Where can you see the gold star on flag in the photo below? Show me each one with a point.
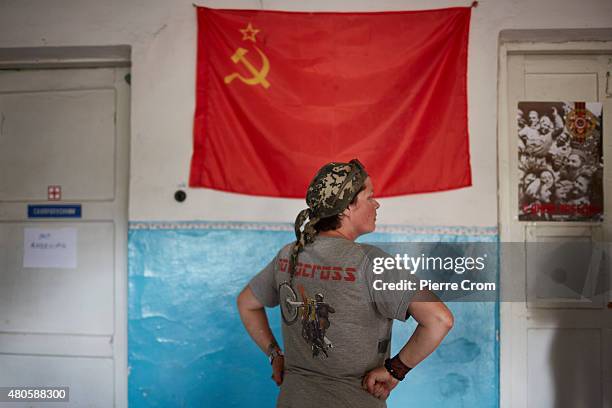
(249, 33)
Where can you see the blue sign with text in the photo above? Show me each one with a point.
(54, 211)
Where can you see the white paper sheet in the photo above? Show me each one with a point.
(50, 248)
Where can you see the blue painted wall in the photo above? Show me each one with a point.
(187, 346)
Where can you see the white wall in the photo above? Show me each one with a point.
(162, 34)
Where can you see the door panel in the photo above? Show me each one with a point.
(62, 135)
(94, 377)
(555, 87)
(54, 300)
(560, 368)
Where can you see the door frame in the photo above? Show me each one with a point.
(528, 42)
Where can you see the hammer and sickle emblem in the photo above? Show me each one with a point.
(259, 77)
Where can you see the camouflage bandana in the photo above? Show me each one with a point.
(330, 192)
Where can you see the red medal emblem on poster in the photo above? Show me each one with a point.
(580, 122)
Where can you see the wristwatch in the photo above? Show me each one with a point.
(275, 352)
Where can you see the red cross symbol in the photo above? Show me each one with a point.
(54, 193)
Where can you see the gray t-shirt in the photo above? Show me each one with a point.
(324, 366)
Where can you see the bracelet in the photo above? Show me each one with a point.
(272, 346)
(275, 353)
(397, 368)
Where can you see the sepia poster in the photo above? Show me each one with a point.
(560, 161)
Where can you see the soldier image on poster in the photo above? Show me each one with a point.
(560, 161)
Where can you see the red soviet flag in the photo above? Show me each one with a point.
(279, 94)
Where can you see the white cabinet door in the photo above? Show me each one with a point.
(556, 340)
(63, 322)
